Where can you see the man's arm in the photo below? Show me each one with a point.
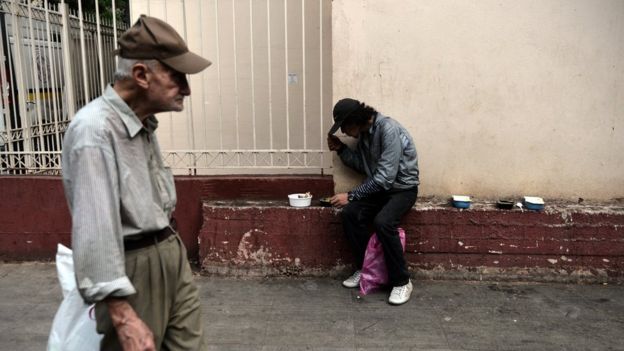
(132, 332)
(97, 242)
(349, 157)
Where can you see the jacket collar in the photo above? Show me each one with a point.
(376, 122)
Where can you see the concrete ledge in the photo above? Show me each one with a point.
(565, 242)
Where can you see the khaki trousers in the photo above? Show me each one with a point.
(167, 300)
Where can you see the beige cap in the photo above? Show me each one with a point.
(151, 38)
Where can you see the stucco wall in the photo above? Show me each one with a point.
(502, 97)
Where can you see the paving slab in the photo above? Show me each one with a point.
(319, 314)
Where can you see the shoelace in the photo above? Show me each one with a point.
(400, 290)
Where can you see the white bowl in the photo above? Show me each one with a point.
(534, 203)
(461, 201)
(534, 200)
(462, 198)
(296, 201)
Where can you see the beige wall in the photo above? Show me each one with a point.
(502, 97)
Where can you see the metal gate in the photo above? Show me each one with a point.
(264, 106)
(52, 62)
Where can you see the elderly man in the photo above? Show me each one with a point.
(386, 154)
(128, 257)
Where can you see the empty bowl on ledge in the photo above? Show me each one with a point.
(461, 201)
(533, 203)
(300, 200)
(505, 204)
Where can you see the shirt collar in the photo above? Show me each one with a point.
(129, 118)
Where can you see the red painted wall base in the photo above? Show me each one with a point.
(271, 238)
(34, 216)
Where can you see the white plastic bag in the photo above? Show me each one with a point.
(65, 269)
(73, 328)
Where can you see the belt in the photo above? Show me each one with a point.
(150, 238)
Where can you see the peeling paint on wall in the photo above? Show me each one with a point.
(438, 237)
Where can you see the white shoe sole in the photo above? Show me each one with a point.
(350, 286)
(395, 303)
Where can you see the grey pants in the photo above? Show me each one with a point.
(167, 300)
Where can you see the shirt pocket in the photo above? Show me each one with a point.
(166, 188)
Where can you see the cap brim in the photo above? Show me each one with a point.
(334, 128)
(188, 63)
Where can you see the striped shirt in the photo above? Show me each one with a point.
(387, 155)
(116, 185)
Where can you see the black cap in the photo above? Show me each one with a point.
(342, 110)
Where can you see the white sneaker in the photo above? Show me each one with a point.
(353, 281)
(401, 294)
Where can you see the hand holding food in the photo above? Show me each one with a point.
(340, 200)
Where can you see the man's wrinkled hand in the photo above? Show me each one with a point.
(339, 200)
(133, 333)
(334, 143)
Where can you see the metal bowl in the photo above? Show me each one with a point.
(505, 204)
(325, 202)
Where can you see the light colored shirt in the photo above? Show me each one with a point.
(116, 185)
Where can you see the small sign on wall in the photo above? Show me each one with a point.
(293, 78)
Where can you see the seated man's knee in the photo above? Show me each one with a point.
(382, 223)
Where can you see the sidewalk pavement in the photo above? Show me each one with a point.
(318, 314)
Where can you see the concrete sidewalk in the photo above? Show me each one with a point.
(318, 314)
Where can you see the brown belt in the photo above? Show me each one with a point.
(150, 238)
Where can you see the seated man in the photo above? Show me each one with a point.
(386, 153)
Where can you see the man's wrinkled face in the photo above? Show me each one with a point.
(167, 88)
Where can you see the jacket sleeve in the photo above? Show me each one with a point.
(365, 189)
(352, 158)
(97, 240)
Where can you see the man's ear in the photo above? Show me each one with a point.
(140, 74)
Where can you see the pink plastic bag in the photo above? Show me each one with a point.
(374, 271)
